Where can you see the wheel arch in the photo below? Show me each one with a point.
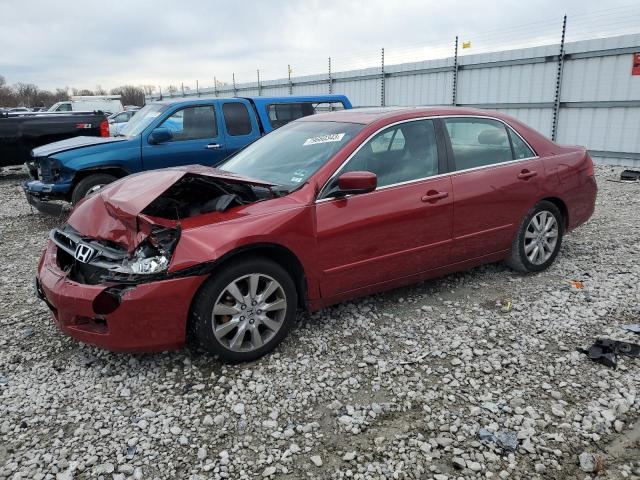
(116, 171)
(558, 202)
(277, 253)
(79, 175)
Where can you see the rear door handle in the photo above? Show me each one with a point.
(526, 174)
(432, 196)
(213, 146)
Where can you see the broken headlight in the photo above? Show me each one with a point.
(152, 256)
(146, 265)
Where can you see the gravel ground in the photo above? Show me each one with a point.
(396, 385)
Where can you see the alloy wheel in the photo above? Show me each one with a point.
(541, 237)
(249, 312)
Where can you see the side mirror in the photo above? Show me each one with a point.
(112, 121)
(352, 183)
(160, 135)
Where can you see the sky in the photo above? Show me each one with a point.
(111, 43)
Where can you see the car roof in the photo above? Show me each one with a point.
(369, 115)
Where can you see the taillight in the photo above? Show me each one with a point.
(104, 128)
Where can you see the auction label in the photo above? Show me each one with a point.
(332, 137)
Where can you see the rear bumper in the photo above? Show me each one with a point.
(583, 202)
(151, 317)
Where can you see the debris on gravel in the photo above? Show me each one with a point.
(474, 375)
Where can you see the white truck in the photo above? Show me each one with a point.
(88, 103)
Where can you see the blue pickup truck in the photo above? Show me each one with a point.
(162, 134)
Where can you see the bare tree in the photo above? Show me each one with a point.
(99, 90)
(130, 95)
(149, 89)
(26, 93)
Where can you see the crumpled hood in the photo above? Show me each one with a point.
(73, 143)
(114, 212)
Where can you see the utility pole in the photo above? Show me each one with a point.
(182, 87)
(330, 79)
(233, 76)
(215, 86)
(289, 76)
(556, 100)
(259, 86)
(454, 89)
(197, 88)
(382, 81)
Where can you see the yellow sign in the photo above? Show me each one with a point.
(466, 44)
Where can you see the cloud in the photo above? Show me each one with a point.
(84, 44)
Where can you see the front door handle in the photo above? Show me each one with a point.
(213, 146)
(526, 174)
(432, 196)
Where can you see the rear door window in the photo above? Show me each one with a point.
(236, 118)
(477, 142)
(520, 149)
(282, 113)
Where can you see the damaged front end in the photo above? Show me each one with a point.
(93, 262)
(118, 273)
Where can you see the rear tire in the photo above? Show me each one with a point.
(244, 310)
(89, 185)
(538, 240)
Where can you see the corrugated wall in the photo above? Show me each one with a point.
(599, 100)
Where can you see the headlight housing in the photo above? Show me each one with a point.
(152, 256)
(145, 265)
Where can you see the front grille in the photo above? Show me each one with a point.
(44, 169)
(106, 259)
(32, 167)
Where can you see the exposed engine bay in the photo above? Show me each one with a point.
(194, 195)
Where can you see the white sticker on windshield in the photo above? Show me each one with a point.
(332, 137)
(298, 175)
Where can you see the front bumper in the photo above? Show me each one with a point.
(151, 317)
(39, 193)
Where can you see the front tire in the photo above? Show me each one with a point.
(538, 240)
(89, 185)
(244, 310)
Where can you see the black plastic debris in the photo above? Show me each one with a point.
(631, 175)
(634, 327)
(505, 439)
(605, 351)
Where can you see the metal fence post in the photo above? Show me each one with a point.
(556, 101)
(330, 79)
(382, 81)
(259, 86)
(454, 89)
(233, 76)
(289, 76)
(215, 86)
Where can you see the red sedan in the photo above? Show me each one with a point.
(324, 209)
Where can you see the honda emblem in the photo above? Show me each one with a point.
(84, 253)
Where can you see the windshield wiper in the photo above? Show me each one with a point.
(279, 190)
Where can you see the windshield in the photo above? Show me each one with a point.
(290, 155)
(142, 119)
